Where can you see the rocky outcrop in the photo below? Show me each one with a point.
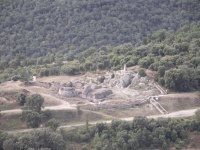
(78, 85)
(67, 92)
(86, 90)
(136, 79)
(68, 84)
(55, 86)
(101, 93)
(121, 79)
(125, 80)
(94, 87)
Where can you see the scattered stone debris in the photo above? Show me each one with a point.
(101, 94)
(114, 83)
(116, 106)
(67, 91)
(87, 89)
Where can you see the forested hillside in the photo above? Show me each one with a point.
(174, 55)
(141, 133)
(38, 27)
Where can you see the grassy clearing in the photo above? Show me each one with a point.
(144, 110)
(67, 117)
(64, 79)
(8, 99)
(176, 102)
(9, 106)
(10, 95)
(11, 122)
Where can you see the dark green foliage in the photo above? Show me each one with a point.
(15, 78)
(10, 143)
(142, 73)
(31, 115)
(31, 118)
(70, 69)
(35, 28)
(182, 79)
(24, 75)
(35, 140)
(35, 102)
(3, 137)
(53, 124)
(145, 62)
(48, 38)
(161, 71)
(141, 133)
(46, 114)
(21, 99)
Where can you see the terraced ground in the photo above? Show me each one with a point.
(60, 106)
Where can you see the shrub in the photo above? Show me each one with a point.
(142, 73)
(21, 99)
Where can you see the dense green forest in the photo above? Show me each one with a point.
(39, 27)
(174, 55)
(52, 37)
(141, 133)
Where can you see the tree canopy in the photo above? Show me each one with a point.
(38, 27)
(35, 102)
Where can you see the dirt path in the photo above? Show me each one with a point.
(59, 104)
(183, 113)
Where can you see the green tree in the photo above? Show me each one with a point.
(42, 140)
(24, 75)
(53, 124)
(21, 99)
(142, 73)
(31, 118)
(161, 71)
(35, 102)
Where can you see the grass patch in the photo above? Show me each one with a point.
(10, 95)
(67, 117)
(174, 103)
(144, 110)
(9, 106)
(8, 99)
(11, 122)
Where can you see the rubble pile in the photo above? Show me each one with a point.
(97, 91)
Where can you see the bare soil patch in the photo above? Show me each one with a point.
(51, 99)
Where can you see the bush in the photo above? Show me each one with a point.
(145, 62)
(53, 124)
(15, 78)
(142, 73)
(31, 118)
(21, 99)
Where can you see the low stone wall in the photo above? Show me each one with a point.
(67, 92)
(115, 106)
(102, 93)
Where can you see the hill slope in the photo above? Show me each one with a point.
(174, 55)
(37, 27)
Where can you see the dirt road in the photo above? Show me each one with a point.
(183, 113)
(50, 99)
